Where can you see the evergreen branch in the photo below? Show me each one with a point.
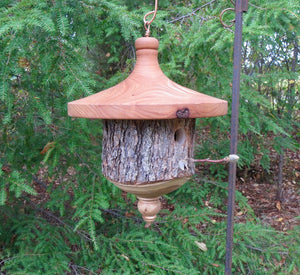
(292, 13)
(49, 214)
(16, 257)
(24, 255)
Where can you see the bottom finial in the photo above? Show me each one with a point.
(149, 207)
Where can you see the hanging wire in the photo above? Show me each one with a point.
(147, 23)
(230, 158)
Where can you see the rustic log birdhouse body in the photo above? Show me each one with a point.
(148, 129)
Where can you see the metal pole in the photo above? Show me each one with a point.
(240, 7)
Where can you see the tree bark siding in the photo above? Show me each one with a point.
(147, 151)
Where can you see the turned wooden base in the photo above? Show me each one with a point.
(149, 196)
(153, 190)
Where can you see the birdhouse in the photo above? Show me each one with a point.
(148, 129)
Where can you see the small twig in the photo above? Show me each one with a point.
(215, 183)
(77, 267)
(255, 248)
(263, 250)
(41, 183)
(169, 221)
(85, 5)
(8, 59)
(163, 268)
(191, 13)
(91, 170)
(250, 4)
(19, 256)
(7, 259)
(113, 212)
(74, 268)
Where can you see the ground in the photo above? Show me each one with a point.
(260, 190)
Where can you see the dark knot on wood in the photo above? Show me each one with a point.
(183, 113)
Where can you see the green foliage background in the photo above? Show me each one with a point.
(58, 214)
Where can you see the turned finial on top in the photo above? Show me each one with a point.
(146, 43)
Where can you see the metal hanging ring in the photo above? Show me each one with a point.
(147, 23)
(231, 21)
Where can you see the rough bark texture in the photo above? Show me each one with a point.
(147, 151)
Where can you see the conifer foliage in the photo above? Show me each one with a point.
(58, 214)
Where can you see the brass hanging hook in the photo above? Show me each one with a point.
(222, 14)
(242, 7)
(148, 23)
(231, 21)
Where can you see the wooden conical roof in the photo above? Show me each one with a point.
(147, 94)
